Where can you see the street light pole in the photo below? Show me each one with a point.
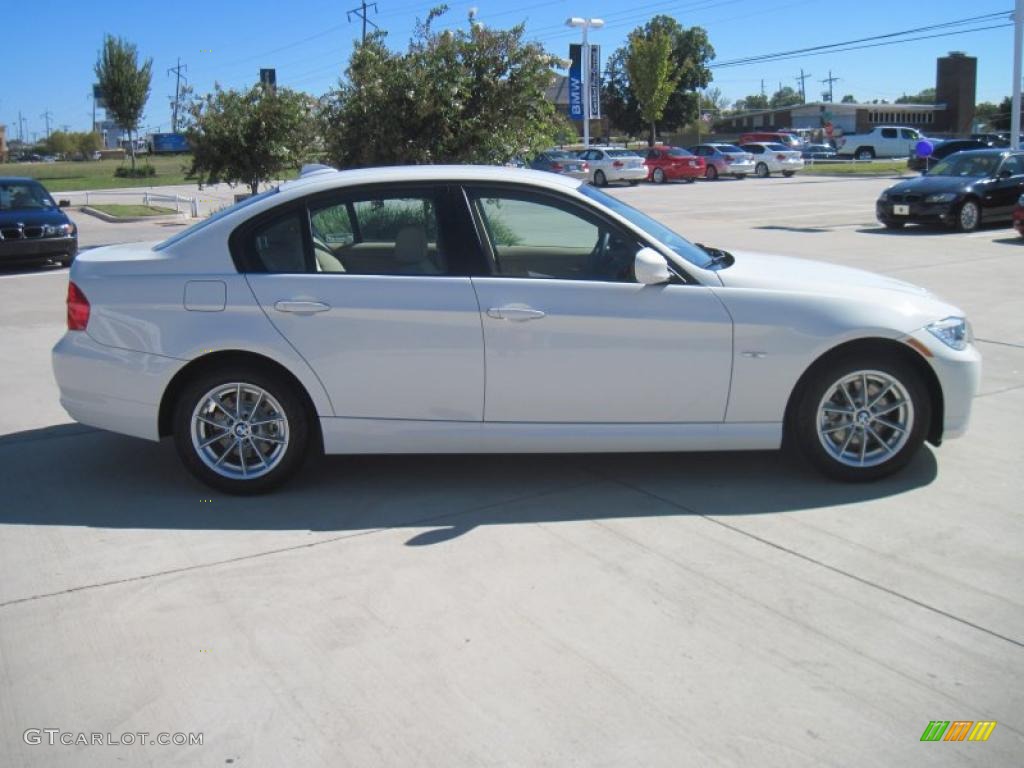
(1018, 44)
(586, 24)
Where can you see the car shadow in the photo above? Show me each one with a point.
(71, 475)
(935, 229)
(1017, 240)
(13, 268)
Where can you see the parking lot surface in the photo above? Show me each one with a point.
(609, 610)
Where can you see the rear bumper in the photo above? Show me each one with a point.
(737, 169)
(38, 248)
(685, 171)
(625, 174)
(110, 388)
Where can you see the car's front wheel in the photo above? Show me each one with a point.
(968, 218)
(241, 430)
(862, 417)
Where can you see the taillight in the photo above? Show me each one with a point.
(556, 166)
(78, 308)
(728, 159)
(780, 158)
(586, 166)
(617, 164)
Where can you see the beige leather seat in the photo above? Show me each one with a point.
(412, 252)
(326, 261)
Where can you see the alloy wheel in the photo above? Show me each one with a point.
(865, 418)
(239, 430)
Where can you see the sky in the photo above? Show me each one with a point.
(50, 69)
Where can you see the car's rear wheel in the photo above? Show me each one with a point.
(659, 176)
(711, 173)
(968, 218)
(241, 430)
(762, 171)
(862, 417)
(600, 180)
(865, 153)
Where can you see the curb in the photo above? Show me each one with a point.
(129, 219)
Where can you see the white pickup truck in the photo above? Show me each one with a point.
(881, 141)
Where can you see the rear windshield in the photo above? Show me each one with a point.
(679, 152)
(777, 148)
(561, 155)
(214, 217)
(727, 148)
(621, 153)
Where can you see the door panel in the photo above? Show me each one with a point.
(604, 352)
(392, 347)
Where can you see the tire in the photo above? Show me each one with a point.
(894, 224)
(864, 153)
(600, 180)
(281, 441)
(762, 171)
(711, 173)
(658, 177)
(897, 415)
(788, 174)
(968, 216)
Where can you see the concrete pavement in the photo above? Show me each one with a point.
(654, 610)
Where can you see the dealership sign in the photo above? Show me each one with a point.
(576, 65)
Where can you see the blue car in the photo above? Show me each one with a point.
(32, 225)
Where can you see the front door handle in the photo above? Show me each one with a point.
(301, 307)
(516, 314)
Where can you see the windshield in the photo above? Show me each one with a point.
(212, 218)
(655, 229)
(24, 196)
(970, 166)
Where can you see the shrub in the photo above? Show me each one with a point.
(124, 172)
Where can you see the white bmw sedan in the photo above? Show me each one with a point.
(442, 309)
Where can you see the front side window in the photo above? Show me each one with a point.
(544, 238)
(378, 236)
(1014, 164)
(906, 133)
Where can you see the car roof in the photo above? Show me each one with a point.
(990, 151)
(18, 180)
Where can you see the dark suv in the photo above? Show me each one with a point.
(32, 225)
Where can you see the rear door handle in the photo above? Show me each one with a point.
(516, 314)
(301, 307)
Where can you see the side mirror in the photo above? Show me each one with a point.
(1005, 173)
(650, 267)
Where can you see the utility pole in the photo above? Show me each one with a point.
(762, 86)
(803, 90)
(177, 91)
(830, 80)
(21, 128)
(46, 116)
(1018, 44)
(361, 13)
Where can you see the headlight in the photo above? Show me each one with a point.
(58, 230)
(954, 332)
(884, 195)
(941, 197)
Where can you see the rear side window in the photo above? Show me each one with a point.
(278, 244)
(889, 133)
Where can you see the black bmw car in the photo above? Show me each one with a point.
(962, 191)
(32, 225)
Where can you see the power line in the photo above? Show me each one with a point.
(806, 51)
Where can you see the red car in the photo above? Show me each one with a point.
(671, 163)
(1018, 216)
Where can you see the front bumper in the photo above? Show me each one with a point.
(111, 388)
(959, 375)
(920, 213)
(38, 248)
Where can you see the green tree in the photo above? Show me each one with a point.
(927, 96)
(88, 142)
(848, 99)
(691, 54)
(245, 137)
(752, 102)
(986, 111)
(124, 84)
(652, 76)
(784, 97)
(471, 95)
